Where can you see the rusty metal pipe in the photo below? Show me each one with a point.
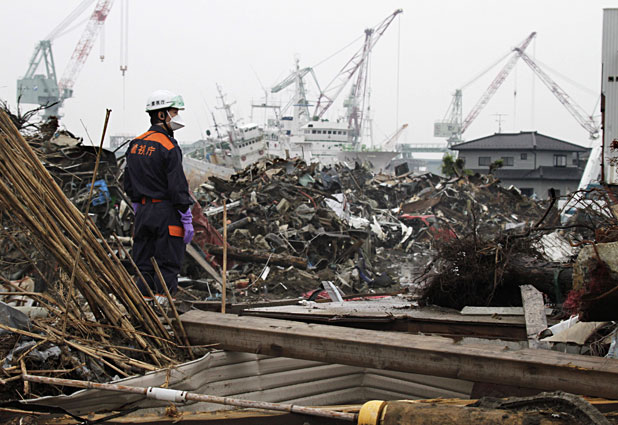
(179, 396)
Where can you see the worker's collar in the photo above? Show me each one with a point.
(161, 129)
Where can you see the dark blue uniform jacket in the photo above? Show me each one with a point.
(154, 169)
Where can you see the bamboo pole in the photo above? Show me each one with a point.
(37, 203)
(24, 372)
(224, 274)
(181, 396)
(83, 226)
(148, 289)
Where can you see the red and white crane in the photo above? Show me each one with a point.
(356, 66)
(453, 126)
(45, 90)
(392, 140)
(83, 47)
(495, 84)
(586, 121)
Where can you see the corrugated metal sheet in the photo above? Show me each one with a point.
(262, 378)
(609, 87)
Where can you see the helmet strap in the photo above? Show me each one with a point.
(165, 124)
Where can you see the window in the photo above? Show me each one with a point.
(524, 156)
(507, 161)
(559, 160)
(485, 160)
(556, 191)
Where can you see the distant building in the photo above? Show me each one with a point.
(533, 162)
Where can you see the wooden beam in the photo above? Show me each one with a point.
(252, 256)
(429, 355)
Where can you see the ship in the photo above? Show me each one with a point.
(233, 149)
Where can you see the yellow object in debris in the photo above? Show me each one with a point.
(371, 412)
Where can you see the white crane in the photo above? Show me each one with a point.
(299, 101)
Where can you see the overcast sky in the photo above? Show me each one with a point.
(189, 46)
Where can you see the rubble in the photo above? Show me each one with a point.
(293, 229)
(457, 242)
(352, 226)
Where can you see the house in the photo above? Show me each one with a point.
(533, 162)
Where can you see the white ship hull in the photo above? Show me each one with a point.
(378, 160)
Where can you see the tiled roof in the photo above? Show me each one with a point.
(525, 140)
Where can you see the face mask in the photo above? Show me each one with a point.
(176, 122)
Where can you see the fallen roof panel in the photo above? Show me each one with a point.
(529, 368)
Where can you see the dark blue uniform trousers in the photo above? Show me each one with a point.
(158, 233)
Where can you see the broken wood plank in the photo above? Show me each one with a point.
(534, 312)
(199, 259)
(498, 311)
(236, 308)
(249, 255)
(398, 314)
(546, 370)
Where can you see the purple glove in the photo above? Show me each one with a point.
(186, 219)
(135, 206)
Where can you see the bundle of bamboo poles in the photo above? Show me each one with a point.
(31, 197)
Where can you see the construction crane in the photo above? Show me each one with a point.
(586, 121)
(299, 101)
(356, 66)
(454, 127)
(390, 142)
(45, 90)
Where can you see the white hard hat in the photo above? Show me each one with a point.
(163, 99)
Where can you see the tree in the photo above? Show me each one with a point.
(498, 163)
(452, 167)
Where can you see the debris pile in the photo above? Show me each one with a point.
(71, 163)
(359, 230)
(472, 271)
(281, 230)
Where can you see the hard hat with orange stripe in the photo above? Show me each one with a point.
(164, 99)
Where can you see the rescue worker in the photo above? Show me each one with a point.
(156, 184)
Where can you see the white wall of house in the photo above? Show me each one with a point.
(543, 158)
(541, 187)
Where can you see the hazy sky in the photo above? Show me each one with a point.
(189, 46)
